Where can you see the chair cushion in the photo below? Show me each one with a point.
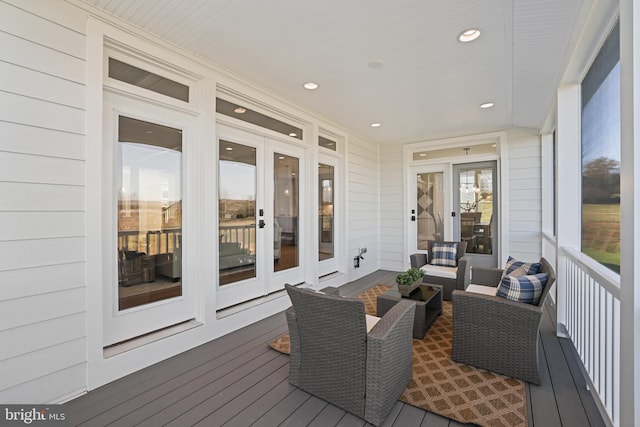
(513, 267)
(440, 271)
(371, 322)
(444, 254)
(526, 289)
(482, 289)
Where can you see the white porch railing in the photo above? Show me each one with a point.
(591, 319)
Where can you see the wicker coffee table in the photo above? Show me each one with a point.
(428, 299)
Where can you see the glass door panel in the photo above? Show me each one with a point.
(286, 201)
(149, 179)
(325, 214)
(236, 212)
(430, 205)
(476, 203)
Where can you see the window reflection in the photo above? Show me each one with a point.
(285, 207)
(237, 212)
(476, 209)
(430, 208)
(325, 220)
(149, 212)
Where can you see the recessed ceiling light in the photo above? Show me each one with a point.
(292, 134)
(240, 110)
(486, 105)
(375, 125)
(229, 148)
(423, 154)
(310, 85)
(469, 35)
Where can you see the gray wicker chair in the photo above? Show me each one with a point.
(497, 334)
(448, 285)
(334, 358)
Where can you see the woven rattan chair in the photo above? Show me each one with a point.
(497, 334)
(448, 284)
(334, 358)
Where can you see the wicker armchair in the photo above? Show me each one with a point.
(422, 260)
(497, 334)
(334, 358)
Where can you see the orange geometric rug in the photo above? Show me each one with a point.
(453, 390)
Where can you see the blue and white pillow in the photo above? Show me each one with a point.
(444, 254)
(514, 267)
(527, 289)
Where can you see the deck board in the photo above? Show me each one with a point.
(237, 380)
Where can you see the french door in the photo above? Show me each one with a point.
(475, 202)
(428, 206)
(147, 216)
(261, 219)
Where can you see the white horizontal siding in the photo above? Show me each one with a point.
(525, 198)
(392, 229)
(16, 167)
(27, 139)
(30, 55)
(35, 112)
(54, 387)
(42, 178)
(41, 280)
(41, 197)
(43, 30)
(362, 204)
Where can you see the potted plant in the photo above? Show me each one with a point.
(409, 281)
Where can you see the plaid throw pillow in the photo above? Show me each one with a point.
(520, 268)
(526, 289)
(444, 254)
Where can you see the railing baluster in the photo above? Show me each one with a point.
(592, 309)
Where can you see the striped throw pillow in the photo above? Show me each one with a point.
(444, 254)
(520, 268)
(527, 289)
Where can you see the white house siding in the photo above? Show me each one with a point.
(525, 198)
(362, 205)
(42, 243)
(392, 229)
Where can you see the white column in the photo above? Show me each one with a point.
(630, 223)
(568, 186)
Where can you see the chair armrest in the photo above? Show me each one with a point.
(330, 290)
(418, 260)
(485, 276)
(389, 360)
(464, 272)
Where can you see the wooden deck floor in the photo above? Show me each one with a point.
(237, 380)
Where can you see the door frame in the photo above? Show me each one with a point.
(266, 280)
(120, 325)
(445, 148)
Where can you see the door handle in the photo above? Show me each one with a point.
(261, 223)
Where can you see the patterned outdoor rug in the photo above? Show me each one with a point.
(440, 385)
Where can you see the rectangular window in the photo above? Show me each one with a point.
(327, 143)
(325, 203)
(138, 77)
(149, 212)
(601, 155)
(247, 115)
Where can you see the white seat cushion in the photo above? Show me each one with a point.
(371, 322)
(440, 271)
(481, 289)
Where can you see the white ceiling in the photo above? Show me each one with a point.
(430, 85)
